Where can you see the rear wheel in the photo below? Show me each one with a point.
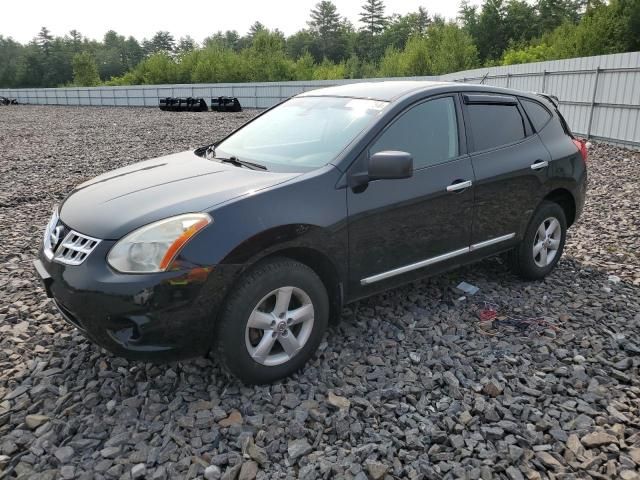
(273, 322)
(543, 243)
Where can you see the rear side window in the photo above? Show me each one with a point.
(495, 125)
(428, 131)
(538, 115)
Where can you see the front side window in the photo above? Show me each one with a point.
(428, 131)
(495, 125)
(302, 134)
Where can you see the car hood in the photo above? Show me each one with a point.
(115, 203)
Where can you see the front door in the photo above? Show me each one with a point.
(402, 226)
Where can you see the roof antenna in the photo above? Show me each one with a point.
(484, 78)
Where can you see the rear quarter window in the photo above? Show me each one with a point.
(537, 113)
(495, 125)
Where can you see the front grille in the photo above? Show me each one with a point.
(75, 248)
(64, 245)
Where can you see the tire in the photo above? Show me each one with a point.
(258, 355)
(528, 264)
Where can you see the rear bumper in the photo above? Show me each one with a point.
(155, 317)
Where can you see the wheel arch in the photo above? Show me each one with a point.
(567, 202)
(323, 266)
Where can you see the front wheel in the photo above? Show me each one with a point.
(273, 322)
(543, 243)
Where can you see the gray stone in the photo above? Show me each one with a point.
(64, 454)
(138, 471)
(298, 448)
(212, 472)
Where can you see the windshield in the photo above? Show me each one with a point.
(302, 134)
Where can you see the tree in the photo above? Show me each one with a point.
(75, 39)
(373, 18)
(301, 43)
(325, 19)
(328, 33)
(491, 35)
(186, 44)
(553, 13)
(44, 39)
(256, 28)
(419, 21)
(85, 70)
(401, 27)
(10, 53)
(133, 52)
(162, 42)
(445, 48)
(31, 67)
(520, 22)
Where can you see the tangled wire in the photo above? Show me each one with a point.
(491, 320)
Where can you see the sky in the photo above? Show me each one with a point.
(198, 18)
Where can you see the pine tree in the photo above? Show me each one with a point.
(324, 18)
(76, 39)
(44, 39)
(372, 15)
(327, 29)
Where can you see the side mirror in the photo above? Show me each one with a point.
(389, 165)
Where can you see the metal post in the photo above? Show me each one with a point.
(544, 81)
(508, 80)
(255, 94)
(593, 102)
(280, 92)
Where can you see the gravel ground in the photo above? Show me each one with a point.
(411, 384)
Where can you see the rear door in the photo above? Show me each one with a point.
(510, 164)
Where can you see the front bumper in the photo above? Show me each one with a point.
(156, 317)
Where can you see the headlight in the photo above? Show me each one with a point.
(153, 248)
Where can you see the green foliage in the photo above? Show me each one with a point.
(532, 53)
(498, 32)
(85, 70)
(602, 30)
(329, 71)
(445, 48)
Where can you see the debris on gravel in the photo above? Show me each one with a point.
(410, 384)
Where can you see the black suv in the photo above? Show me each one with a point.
(245, 248)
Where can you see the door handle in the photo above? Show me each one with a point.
(538, 164)
(454, 187)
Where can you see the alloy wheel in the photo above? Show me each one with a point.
(546, 243)
(279, 326)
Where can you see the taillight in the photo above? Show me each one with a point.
(582, 147)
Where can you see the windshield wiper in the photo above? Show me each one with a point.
(241, 163)
(209, 152)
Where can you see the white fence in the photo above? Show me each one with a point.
(599, 96)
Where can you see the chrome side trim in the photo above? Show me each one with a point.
(432, 260)
(413, 266)
(491, 241)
